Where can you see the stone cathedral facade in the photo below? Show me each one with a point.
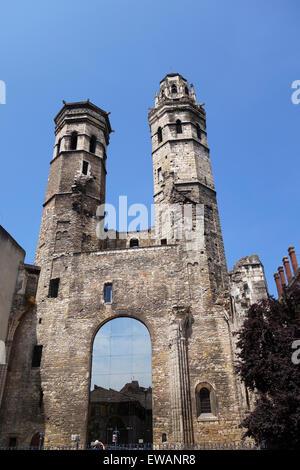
(180, 289)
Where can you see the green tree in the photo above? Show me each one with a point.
(266, 367)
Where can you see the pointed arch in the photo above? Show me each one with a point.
(178, 126)
(159, 135)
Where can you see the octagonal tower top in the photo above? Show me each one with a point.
(175, 88)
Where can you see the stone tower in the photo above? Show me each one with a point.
(182, 169)
(76, 186)
(76, 183)
(177, 289)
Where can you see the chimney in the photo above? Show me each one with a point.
(278, 284)
(287, 269)
(292, 254)
(282, 276)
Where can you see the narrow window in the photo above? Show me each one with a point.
(186, 90)
(37, 355)
(53, 287)
(205, 406)
(198, 131)
(107, 293)
(134, 243)
(178, 127)
(163, 241)
(74, 136)
(41, 398)
(93, 144)
(85, 167)
(159, 174)
(174, 89)
(159, 135)
(247, 398)
(163, 437)
(12, 442)
(58, 146)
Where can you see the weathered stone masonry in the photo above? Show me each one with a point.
(179, 290)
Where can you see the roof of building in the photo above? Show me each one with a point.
(173, 75)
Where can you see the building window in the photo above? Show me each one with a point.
(159, 135)
(53, 287)
(74, 136)
(107, 293)
(58, 146)
(205, 406)
(121, 358)
(37, 355)
(159, 174)
(198, 131)
(163, 241)
(37, 441)
(163, 437)
(174, 89)
(178, 127)
(186, 90)
(93, 144)
(41, 398)
(12, 442)
(206, 401)
(134, 243)
(85, 167)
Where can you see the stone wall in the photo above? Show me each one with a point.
(11, 256)
(151, 285)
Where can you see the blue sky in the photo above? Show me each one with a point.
(242, 57)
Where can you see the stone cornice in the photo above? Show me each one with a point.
(180, 140)
(170, 106)
(69, 152)
(69, 194)
(83, 105)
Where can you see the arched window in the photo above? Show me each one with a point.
(159, 135)
(206, 401)
(178, 127)
(174, 89)
(205, 406)
(74, 136)
(37, 441)
(121, 383)
(134, 243)
(93, 144)
(198, 131)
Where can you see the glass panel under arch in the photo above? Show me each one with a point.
(121, 383)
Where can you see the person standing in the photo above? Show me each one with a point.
(98, 445)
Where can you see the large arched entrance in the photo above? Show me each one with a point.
(121, 383)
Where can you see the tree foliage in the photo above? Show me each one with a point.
(266, 367)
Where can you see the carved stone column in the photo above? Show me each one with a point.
(181, 410)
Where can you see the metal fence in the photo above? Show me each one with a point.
(163, 446)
